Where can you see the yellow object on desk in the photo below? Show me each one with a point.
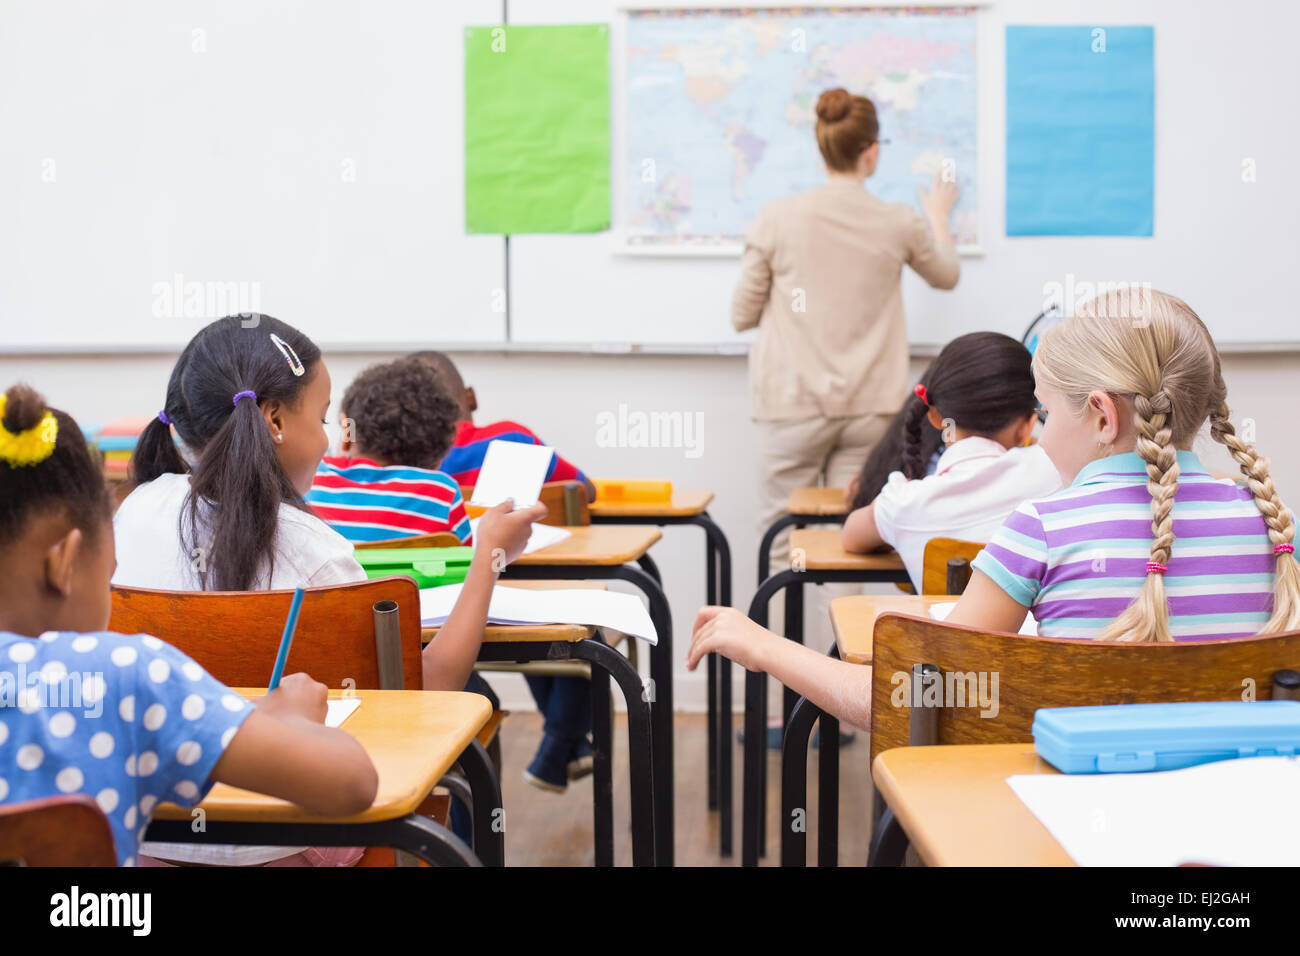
(639, 491)
(678, 505)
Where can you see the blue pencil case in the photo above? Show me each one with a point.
(1125, 738)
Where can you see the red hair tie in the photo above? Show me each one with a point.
(1155, 567)
(919, 392)
(1284, 549)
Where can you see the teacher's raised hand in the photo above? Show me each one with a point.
(938, 203)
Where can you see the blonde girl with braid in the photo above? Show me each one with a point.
(1142, 544)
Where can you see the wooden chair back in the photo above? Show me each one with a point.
(1034, 672)
(566, 503)
(235, 635)
(66, 830)
(935, 568)
(443, 539)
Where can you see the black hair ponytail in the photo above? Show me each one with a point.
(46, 468)
(981, 382)
(237, 484)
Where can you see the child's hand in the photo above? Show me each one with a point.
(726, 631)
(299, 696)
(502, 532)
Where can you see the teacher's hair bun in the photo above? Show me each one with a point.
(833, 105)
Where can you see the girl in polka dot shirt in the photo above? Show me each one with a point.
(126, 719)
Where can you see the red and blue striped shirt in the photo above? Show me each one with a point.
(470, 445)
(364, 501)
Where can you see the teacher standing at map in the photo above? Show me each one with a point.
(821, 281)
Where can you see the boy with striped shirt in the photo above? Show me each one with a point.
(397, 425)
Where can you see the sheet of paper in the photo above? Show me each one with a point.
(542, 535)
(1228, 813)
(940, 612)
(340, 709)
(512, 469)
(610, 609)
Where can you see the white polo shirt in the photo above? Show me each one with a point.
(976, 484)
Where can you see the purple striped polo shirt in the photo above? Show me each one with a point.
(1078, 558)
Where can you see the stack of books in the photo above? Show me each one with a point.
(116, 441)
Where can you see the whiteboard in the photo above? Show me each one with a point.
(226, 166)
(166, 163)
(1223, 94)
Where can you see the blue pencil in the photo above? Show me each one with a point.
(285, 642)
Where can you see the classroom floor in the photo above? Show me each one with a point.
(545, 829)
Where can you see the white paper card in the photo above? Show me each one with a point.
(611, 609)
(940, 612)
(1228, 813)
(340, 709)
(511, 469)
(541, 536)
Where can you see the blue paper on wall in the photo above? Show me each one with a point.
(1080, 131)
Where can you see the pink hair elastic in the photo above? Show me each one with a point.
(1155, 567)
(1284, 549)
(920, 393)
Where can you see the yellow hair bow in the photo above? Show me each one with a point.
(30, 447)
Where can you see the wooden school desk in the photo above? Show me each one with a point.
(853, 621)
(956, 808)
(607, 552)
(690, 507)
(414, 737)
(807, 506)
(521, 643)
(816, 557)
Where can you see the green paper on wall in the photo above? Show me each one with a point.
(537, 129)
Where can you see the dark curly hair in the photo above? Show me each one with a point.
(401, 414)
(70, 479)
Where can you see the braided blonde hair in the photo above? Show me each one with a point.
(1150, 346)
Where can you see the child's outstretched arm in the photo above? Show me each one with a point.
(500, 538)
(284, 749)
(841, 689)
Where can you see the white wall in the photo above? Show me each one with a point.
(560, 395)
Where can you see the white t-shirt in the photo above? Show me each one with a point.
(150, 554)
(976, 485)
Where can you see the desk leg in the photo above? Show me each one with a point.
(661, 709)
(640, 743)
(769, 538)
(794, 782)
(489, 827)
(888, 843)
(721, 551)
(828, 792)
(602, 794)
(755, 754)
(648, 565)
(711, 707)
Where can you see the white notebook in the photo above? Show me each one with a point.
(511, 469)
(1228, 813)
(340, 709)
(619, 612)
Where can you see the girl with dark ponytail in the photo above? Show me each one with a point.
(247, 399)
(977, 399)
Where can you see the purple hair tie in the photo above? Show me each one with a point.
(250, 393)
(162, 417)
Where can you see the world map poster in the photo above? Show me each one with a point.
(720, 111)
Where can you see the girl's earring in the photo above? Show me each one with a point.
(280, 437)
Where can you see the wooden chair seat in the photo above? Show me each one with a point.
(56, 831)
(566, 503)
(934, 562)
